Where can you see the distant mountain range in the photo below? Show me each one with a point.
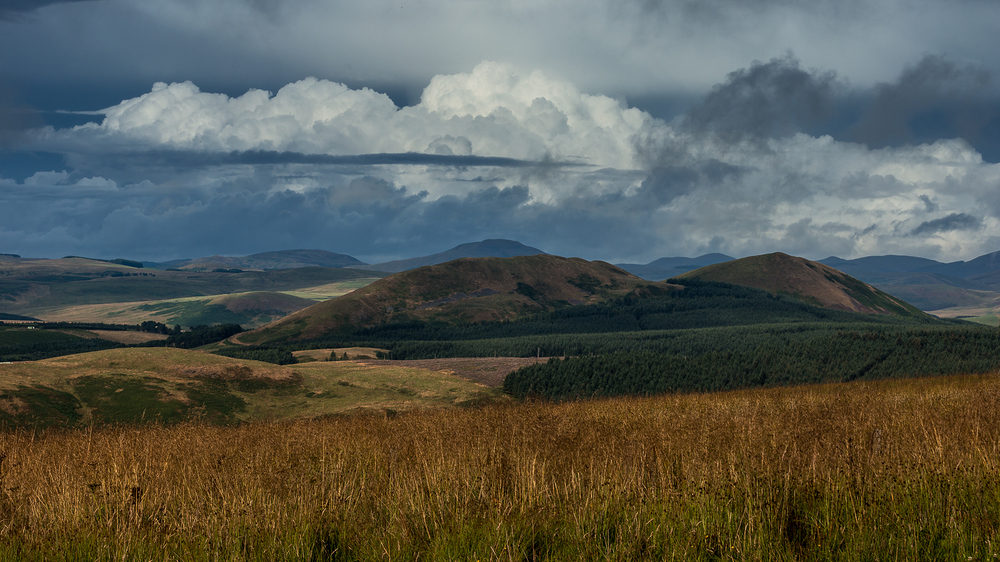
(291, 259)
(888, 265)
(665, 268)
(485, 249)
(284, 259)
(960, 288)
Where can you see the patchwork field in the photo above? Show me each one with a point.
(249, 309)
(84, 290)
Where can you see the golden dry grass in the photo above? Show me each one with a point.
(325, 354)
(489, 371)
(899, 470)
(127, 337)
(277, 392)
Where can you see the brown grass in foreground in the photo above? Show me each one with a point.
(891, 470)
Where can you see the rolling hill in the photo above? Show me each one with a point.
(484, 249)
(166, 385)
(461, 291)
(284, 259)
(809, 281)
(30, 285)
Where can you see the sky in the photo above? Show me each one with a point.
(619, 130)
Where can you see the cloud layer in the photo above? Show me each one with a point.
(498, 153)
(621, 47)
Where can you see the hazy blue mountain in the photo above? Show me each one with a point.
(981, 266)
(283, 259)
(665, 268)
(495, 248)
(890, 264)
(931, 285)
(908, 270)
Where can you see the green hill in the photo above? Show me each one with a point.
(809, 281)
(168, 385)
(462, 291)
(246, 309)
(284, 259)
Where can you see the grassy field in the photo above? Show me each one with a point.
(169, 385)
(191, 311)
(896, 470)
(54, 288)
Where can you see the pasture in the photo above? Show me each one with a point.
(169, 386)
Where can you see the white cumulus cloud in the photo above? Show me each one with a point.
(492, 111)
(587, 176)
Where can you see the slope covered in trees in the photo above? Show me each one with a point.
(841, 355)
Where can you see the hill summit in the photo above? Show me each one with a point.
(466, 290)
(493, 248)
(806, 280)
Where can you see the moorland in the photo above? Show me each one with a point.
(887, 470)
(506, 408)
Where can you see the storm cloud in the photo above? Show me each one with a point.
(637, 188)
(385, 131)
(952, 222)
(10, 9)
(934, 98)
(767, 100)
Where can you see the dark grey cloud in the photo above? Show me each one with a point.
(264, 157)
(716, 11)
(766, 100)
(12, 9)
(15, 118)
(492, 166)
(935, 98)
(667, 183)
(954, 221)
(929, 205)
(371, 218)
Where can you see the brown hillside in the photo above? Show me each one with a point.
(810, 281)
(463, 290)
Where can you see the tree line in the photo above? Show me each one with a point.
(842, 356)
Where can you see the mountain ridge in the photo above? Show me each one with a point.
(263, 261)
